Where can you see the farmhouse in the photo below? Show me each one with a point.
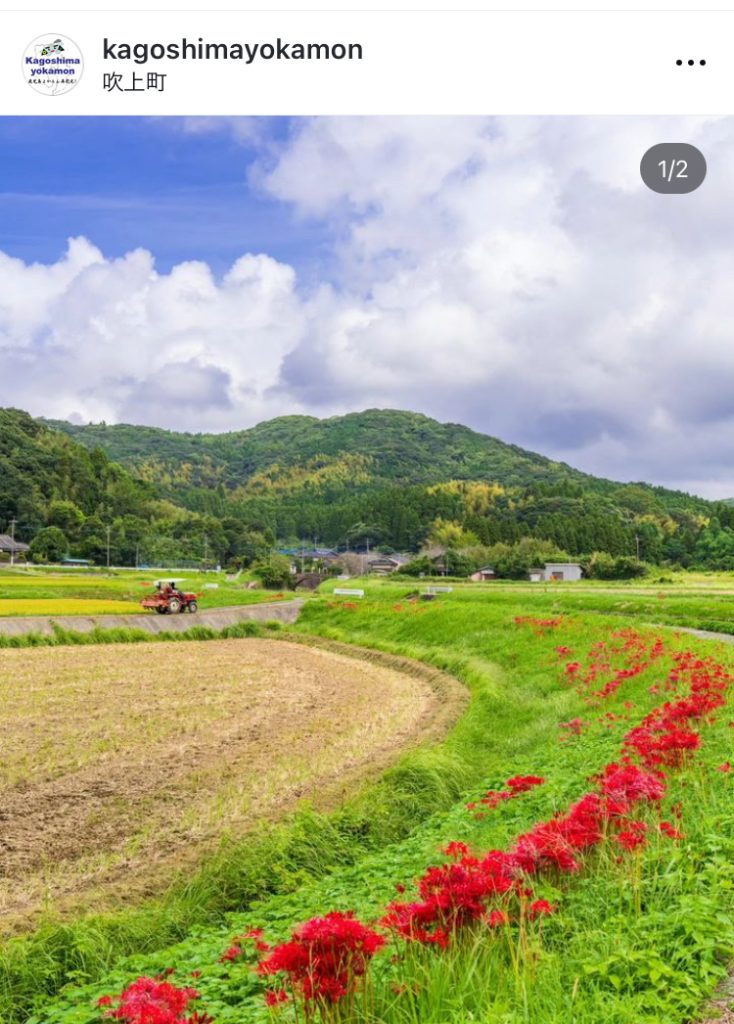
(313, 556)
(437, 554)
(10, 546)
(484, 574)
(555, 572)
(383, 565)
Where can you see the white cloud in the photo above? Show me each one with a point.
(117, 340)
(511, 273)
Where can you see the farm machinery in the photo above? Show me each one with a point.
(169, 599)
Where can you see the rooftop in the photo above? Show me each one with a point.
(15, 547)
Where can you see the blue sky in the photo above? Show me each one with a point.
(130, 182)
(512, 274)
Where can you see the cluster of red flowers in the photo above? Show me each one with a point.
(625, 785)
(323, 960)
(632, 836)
(517, 785)
(556, 843)
(326, 959)
(574, 727)
(153, 1001)
(665, 737)
(627, 644)
(669, 830)
(455, 895)
(539, 626)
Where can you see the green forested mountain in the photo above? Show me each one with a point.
(397, 480)
(400, 479)
(401, 446)
(67, 498)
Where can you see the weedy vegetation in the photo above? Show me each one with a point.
(565, 853)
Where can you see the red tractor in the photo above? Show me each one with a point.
(169, 599)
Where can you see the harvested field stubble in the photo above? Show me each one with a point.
(128, 762)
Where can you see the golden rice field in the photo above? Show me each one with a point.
(16, 606)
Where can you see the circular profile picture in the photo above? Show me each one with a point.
(52, 64)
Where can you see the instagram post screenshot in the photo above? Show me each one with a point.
(366, 515)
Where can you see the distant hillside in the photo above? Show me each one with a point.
(397, 447)
(40, 466)
(400, 479)
(69, 498)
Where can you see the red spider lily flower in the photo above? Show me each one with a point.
(154, 1001)
(659, 743)
(634, 836)
(574, 726)
(452, 896)
(399, 887)
(556, 843)
(539, 626)
(540, 908)
(325, 957)
(493, 798)
(254, 935)
(231, 954)
(196, 974)
(440, 938)
(670, 830)
(455, 850)
(275, 997)
(628, 784)
(497, 918)
(522, 783)
(725, 767)
(106, 1000)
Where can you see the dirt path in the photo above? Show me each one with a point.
(120, 765)
(705, 634)
(216, 618)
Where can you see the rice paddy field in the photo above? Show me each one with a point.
(117, 769)
(32, 591)
(560, 849)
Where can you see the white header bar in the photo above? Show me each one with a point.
(401, 63)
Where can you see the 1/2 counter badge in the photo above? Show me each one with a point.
(52, 64)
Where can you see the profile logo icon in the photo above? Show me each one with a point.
(52, 64)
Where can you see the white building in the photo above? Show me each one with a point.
(561, 571)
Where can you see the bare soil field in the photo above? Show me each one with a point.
(120, 764)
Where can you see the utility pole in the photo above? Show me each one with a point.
(637, 545)
(13, 523)
(109, 534)
(206, 551)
